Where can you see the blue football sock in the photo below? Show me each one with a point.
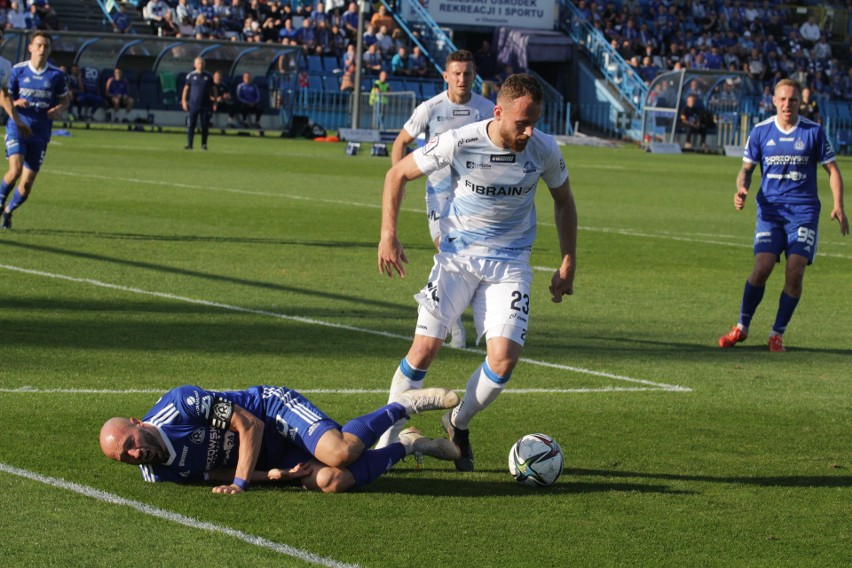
(786, 307)
(4, 192)
(17, 200)
(752, 295)
(369, 427)
(374, 463)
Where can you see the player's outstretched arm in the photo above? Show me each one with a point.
(835, 181)
(391, 253)
(565, 210)
(250, 430)
(743, 184)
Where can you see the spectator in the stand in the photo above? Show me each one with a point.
(714, 58)
(338, 40)
(287, 34)
(810, 32)
(248, 100)
(154, 13)
(383, 18)
(372, 60)
(399, 40)
(320, 15)
(693, 89)
(33, 19)
(369, 35)
(118, 94)
(399, 63)
(223, 101)
(417, 63)
(168, 26)
(767, 107)
(251, 30)
(756, 67)
(349, 20)
(323, 35)
(121, 21)
(306, 37)
(648, 70)
(202, 28)
(384, 42)
(822, 50)
(185, 13)
(16, 18)
(349, 57)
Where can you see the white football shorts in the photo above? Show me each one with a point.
(497, 291)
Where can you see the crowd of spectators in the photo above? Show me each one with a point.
(314, 26)
(766, 39)
(28, 15)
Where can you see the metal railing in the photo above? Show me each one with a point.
(608, 61)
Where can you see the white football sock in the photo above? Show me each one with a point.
(479, 393)
(399, 385)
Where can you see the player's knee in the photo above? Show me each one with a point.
(333, 480)
(344, 452)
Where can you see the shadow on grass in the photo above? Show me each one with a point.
(815, 481)
(275, 287)
(645, 347)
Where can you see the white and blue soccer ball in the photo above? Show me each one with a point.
(536, 460)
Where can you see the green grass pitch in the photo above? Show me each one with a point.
(137, 266)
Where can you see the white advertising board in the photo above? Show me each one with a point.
(532, 14)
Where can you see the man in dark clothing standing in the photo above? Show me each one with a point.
(197, 99)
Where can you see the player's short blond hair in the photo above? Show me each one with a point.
(520, 85)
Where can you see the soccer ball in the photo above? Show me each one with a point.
(536, 460)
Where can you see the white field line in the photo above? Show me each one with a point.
(34, 390)
(310, 321)
(700, 238)
(174, 517)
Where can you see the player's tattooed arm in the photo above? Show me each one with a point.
(743, 184)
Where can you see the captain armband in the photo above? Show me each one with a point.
(220, 413)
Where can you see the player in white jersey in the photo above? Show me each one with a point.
(455, 107)
(486, 237)
(788, 149)
(6, 101)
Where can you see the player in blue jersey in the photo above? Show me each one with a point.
(197, 99)
(788, 149)
(487, 234)
(40, 94)
(266, 433)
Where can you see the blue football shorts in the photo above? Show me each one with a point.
(32, 150)
(291, 416)
(791, 229)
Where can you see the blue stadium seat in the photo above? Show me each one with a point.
(330, 63)
(313, 64)
(315, 82)
(397, 85)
